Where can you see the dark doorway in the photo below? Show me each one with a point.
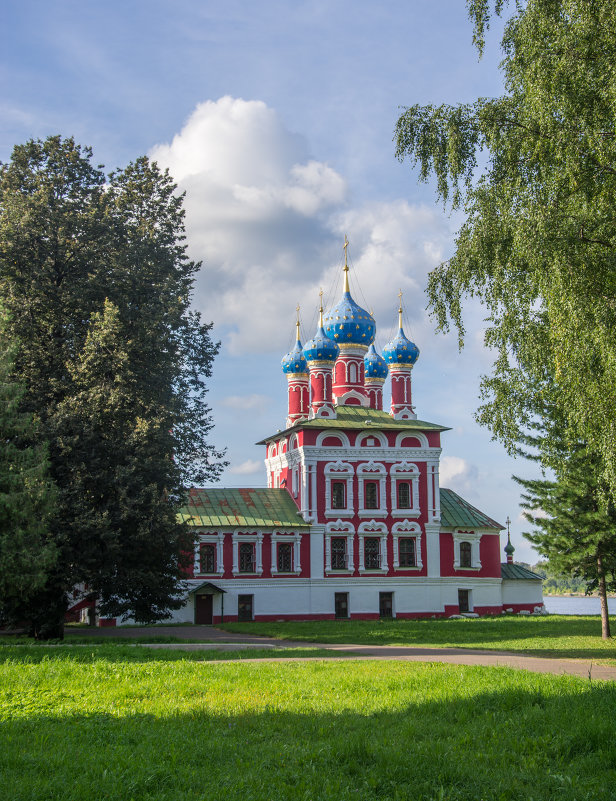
(386, 604)
(464, 602)
(244, 607)
(203, 609)
(341, 604)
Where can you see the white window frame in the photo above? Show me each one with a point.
(408, 529)
(474, 537)
(373, 529)
(372, 471)
(339, 528)
(405, 471)
(294, 539)
(216, 539)
(339, 471)
(255, 537)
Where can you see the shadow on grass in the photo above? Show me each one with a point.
(542, 739)
(552, 635)
(35, 654)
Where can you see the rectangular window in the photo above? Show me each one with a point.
(404, 495)
(371, 495)
(386, 604)
(341, 604)
(407, 556)
(372, 553)
(465, 555)
(247, 557)
(285, 557)
(244, 607)
(208, 558)
(338, 495)
(339, 553)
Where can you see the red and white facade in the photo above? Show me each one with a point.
(371, 532)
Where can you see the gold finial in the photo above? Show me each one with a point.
(346, 265)
(320, 308)
(297, 323)
(400, 310)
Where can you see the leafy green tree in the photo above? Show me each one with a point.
(114, 363)
(26, 493)
(575, 528)
(535, 173)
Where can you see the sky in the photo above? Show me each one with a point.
(277, 119)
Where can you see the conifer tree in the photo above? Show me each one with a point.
(574, 522)
(114, 364)
(26, 494)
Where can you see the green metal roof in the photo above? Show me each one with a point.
(360, 417)
(511, 571)
(254, 508)
(456, 512)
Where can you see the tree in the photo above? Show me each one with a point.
(535, 173)
(114, 364)
(574, 527)
(26, 493)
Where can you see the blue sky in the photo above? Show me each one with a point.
(277, 120)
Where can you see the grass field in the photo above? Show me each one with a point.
(118, 724)
(564, 636)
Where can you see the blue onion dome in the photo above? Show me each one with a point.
(295, 361)
(321, 348)
(375, 365)
(347, 322)
(401, 350)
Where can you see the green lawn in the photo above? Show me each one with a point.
(565, 636)
(94, 724)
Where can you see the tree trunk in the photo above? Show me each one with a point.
(605, 618)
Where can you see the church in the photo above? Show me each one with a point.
(353, 522)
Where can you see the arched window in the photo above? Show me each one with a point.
(465, 554)
(352, 373)
(404, 495)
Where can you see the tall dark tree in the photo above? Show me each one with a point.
(95, 273)
(26, 493)
(538, 246)
(575, 525)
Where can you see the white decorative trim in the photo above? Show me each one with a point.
(290, 537)
(341, 400)
(339, 529)
(474, 537)
(344, 440)
(401, 471)
(373, 528)
(378, 435)
(340, 471)
(418, 435)
(213, 539)
(240, 537)
(407, 528)
(377, 471)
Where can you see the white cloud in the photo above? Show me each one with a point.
(268, 221)
(458, 474)
(247, 468)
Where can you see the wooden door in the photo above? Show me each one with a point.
(203, 609)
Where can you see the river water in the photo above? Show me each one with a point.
(585, 605)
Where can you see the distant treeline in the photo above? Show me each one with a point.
(557, 583)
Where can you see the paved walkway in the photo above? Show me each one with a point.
(229, 641)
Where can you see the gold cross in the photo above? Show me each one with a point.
(345, 246)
